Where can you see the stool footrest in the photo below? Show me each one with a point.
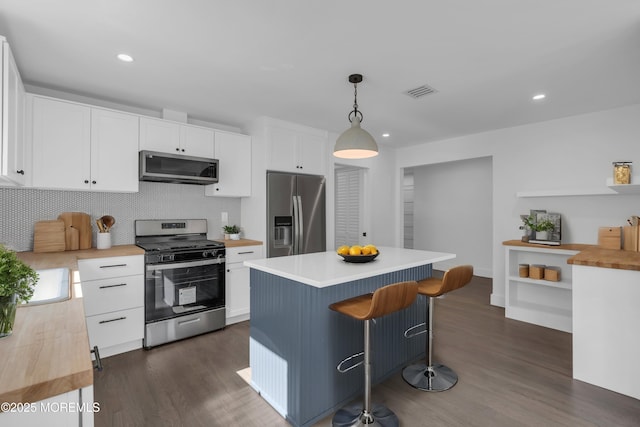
(407, 333)
(345, 360)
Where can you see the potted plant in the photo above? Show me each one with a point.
(541, 228)
(17, 281)
(231, 232)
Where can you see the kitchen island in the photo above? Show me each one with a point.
(296, 341)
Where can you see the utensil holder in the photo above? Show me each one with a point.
(103, 241)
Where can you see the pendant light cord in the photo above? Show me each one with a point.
(355, 111)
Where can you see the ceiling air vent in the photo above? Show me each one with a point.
(421, 91)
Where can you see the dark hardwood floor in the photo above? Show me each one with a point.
(511, 374)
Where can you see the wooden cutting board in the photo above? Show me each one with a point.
(78, 233)
(48, 236)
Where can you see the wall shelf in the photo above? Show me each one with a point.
(609, 189)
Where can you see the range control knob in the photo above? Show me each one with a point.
(205, 254)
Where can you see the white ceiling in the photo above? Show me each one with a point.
(231, 61)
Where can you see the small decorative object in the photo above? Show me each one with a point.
(103, 240)
(17, 282)
(621, 173)
(231, 232)
(536, 271)
(552, 274)
(523, 270)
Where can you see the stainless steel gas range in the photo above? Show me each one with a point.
(184, 279)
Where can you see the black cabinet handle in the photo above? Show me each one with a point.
(112, 286)
(113, 265)
(177, 149)
(112, 320)
(93, 182)
(86, 181)
(21, 172)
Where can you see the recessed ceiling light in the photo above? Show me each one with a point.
(125, 58)
(539, 96)
(385, 135)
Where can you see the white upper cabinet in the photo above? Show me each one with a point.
(298, 151)
(233, 152)
(114, 151)
(171, 137)
(77, 147)
(13, 169)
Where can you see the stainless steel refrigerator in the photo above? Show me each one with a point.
(296, 222)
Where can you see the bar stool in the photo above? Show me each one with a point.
(382, 302)
(429, 376)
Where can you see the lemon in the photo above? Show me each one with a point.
(372, 249)
(355, 250)
(366, 250)
(343, 250)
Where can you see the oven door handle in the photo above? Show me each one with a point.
(173, 266)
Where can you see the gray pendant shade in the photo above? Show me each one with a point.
(355, 142)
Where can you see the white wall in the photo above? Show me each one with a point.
(453, 212)
(574, 152)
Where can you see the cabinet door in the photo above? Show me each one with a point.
(13, 167)
(237, 291)
(312, 154)
(159, 135)
(233, 152)
(61, 144)
(196, 141)
(282, 150)
(114, 151)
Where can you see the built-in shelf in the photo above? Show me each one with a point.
(557, 285)
(608, 190)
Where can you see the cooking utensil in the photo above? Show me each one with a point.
(108, 221)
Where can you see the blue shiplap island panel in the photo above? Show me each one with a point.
(296, 341)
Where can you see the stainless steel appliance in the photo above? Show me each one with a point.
(184, 279)
(177, 168)
(296, 221)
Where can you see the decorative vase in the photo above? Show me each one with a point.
(542, 235)
(8, 306)
(235, 236)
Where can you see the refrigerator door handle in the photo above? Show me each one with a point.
(300, 226)
(296, 228)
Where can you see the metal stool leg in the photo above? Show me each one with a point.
(365, 416)
(429, 376)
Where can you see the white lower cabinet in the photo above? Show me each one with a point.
(71, 409)
(113, 293)
(237, 282)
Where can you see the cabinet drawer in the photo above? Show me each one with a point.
(106, 330)
(243, 253)
(103, 268)
(107, 295)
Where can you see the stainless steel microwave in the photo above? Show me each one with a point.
(177, 168)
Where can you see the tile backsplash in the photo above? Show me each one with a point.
(21, 208)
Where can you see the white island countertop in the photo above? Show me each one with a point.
(324, 269)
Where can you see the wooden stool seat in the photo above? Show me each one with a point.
(429, 376)
(383, 301)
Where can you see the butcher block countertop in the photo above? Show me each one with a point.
(241, 242)
(592, 255)
(48, 352)
(567, 246)
(607, 258)
(69, 259)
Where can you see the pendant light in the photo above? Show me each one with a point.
(355, 142)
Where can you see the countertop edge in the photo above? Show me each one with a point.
(607, 258)
(349, 277)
